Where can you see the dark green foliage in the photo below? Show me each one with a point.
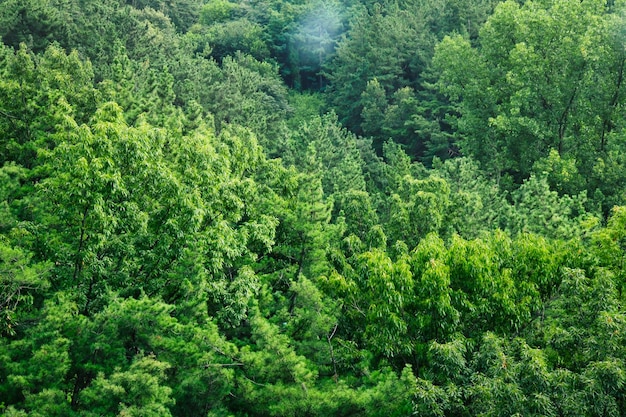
(381, 79)
(249, 93)
(181, 13)
(36, 23)
(521, 96)
(380, 46)
(20, 282)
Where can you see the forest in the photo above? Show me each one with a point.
(248, 208)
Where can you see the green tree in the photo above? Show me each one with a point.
(417, 208)
(182, 13)
(20, 280)
(136, 392)
(249, 93)
(314, 43)
(520, 96)
(540, 210)
(385, 288)
(36, 94)
(387, 44)
(609, 245)
(341, 167)
(35, 23)
(436, 318)
(305, 232)
(477, 205)
(227, 37)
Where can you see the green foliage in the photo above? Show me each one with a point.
(225, 39)
(521, 97)
(476, 204)
(36, 94)
(314, 42)
(381, 76)
(384, 285)
(609, 245)
(540, 210)
(217, 11)
(340, 166)
(249, 93)
(155, 261)
(181, 13)
(379, 46)
(20, 280)
(305, 232)
(35, 23)
(136, 392)
(608, 170)
(436, 318)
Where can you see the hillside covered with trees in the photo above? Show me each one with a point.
(312, 208)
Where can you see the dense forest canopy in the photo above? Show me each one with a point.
(312, 208)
